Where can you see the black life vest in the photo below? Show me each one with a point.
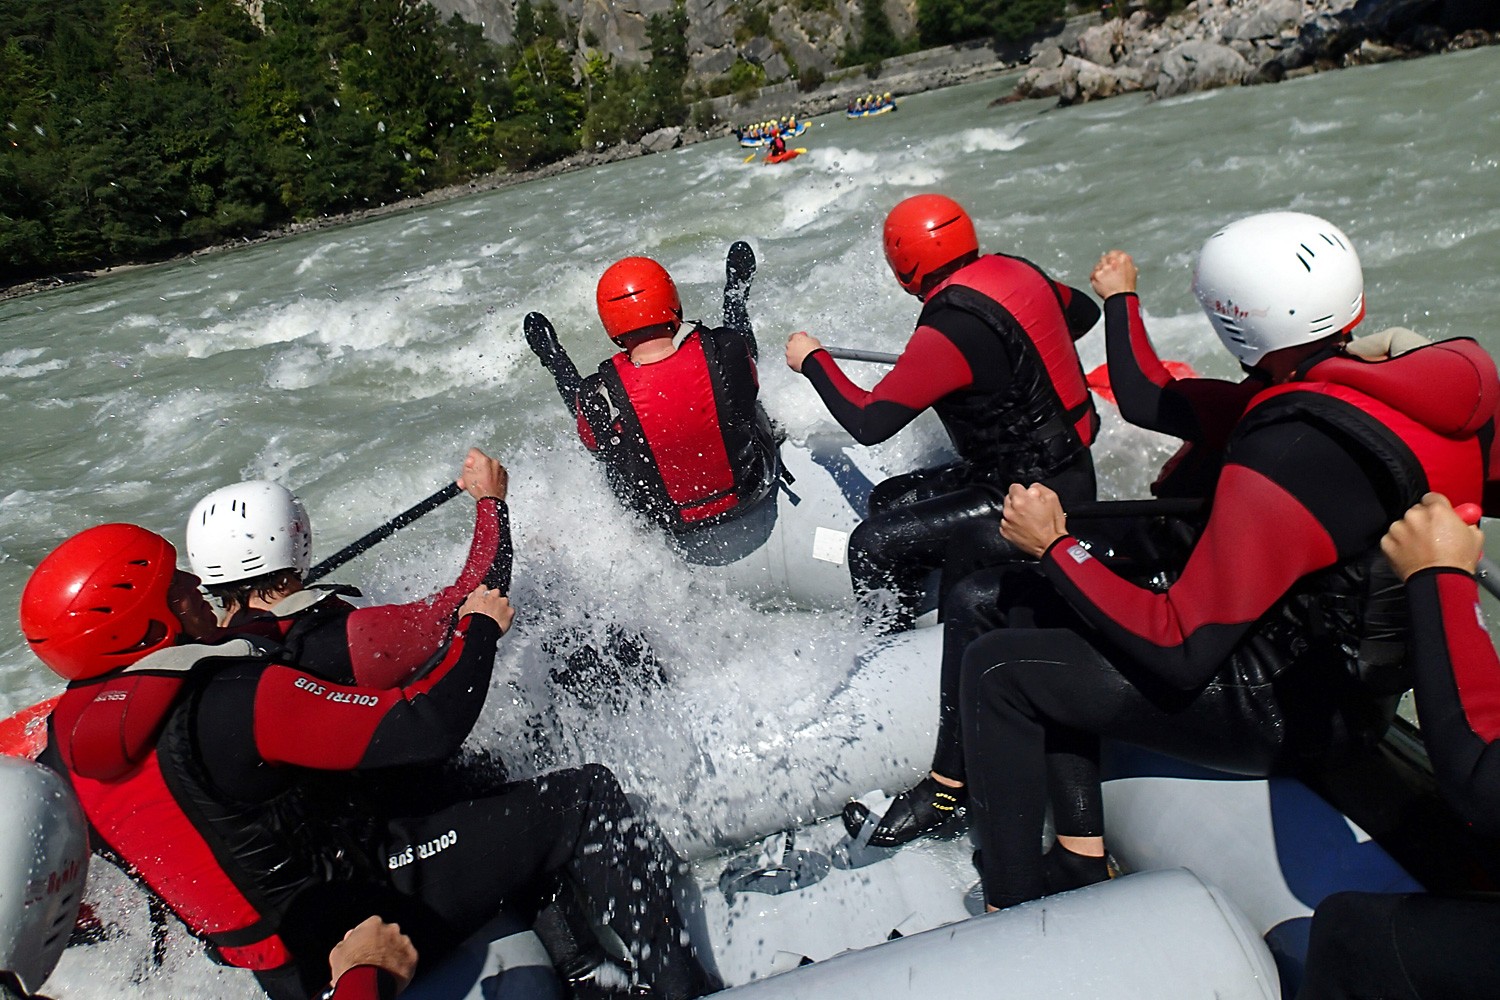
(1354, 613)
(683, 439)
(1046, 416)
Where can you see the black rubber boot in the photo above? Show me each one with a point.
(1063, 870)
(739, 270)
(923, 809)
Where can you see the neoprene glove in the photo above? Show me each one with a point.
(542, 339)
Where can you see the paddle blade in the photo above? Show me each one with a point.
(1098, 379)
(25, 733)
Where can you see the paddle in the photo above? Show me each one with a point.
(381, 533)
(854, 354)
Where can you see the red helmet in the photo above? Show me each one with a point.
(635, 293)
(922, 234)
(99, 601)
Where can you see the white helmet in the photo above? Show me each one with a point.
(1277, 280)
(247, 530)
(44, 862)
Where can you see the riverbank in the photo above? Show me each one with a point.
(1209, 44)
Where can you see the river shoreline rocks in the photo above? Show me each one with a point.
(1225, 43)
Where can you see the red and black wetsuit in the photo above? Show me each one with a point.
(683, 440)
(386, 645)
(1424, 947)
(364, 982)
(1275, 640)
(1202, 412)
(993, 356)
(224, 786)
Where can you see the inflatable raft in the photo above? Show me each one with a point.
(872, 112)
(765, 140)
(792, 548)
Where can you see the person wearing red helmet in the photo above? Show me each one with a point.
(676, 420)
(993, 356)
(249, 795)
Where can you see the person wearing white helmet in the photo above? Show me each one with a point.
(251, 543)
(1277, 640)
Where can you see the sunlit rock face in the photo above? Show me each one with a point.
(802, 36)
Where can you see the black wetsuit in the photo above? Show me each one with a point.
(992, 355)
(1419, 946)
(1249, 659)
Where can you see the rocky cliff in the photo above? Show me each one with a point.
(1219, 43)
(783, 37)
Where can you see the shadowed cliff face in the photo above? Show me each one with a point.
(800, 35)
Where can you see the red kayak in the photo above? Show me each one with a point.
(790, 154)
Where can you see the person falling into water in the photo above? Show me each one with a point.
(677, 422)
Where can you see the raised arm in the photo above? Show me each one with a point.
(1149, 396)
(542, 339)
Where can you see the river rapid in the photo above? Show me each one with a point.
(356, 365)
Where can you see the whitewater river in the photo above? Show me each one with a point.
(357, 365)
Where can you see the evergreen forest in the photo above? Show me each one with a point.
(138, 129)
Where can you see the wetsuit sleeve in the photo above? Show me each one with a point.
(1291, 501)
(301, 720)
(592, 410)
(1080, 311)
(930, 367)
(387, 642)
(364, 982)
(1458, 692)
(1198, 409)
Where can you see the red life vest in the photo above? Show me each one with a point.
(1423, 418)
(685, 446)
(104, 736)
(1046, 416)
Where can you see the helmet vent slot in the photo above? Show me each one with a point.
(123, 586)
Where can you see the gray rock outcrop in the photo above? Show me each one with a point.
(1219, 43)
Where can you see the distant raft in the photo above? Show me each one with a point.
(752, 138)
(879, 109)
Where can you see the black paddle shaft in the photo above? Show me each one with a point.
(381, 533)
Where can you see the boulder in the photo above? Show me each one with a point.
(1263, 22)
(1103, 44)
(1047, 57)
(1200, 65)
(1386, 20)
(662, 139)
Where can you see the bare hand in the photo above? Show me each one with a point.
(483, 476)
(375, 942)
(1033, 518)
(1431, 534)
(491, 603)
(798, 346)
(1115, 273)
